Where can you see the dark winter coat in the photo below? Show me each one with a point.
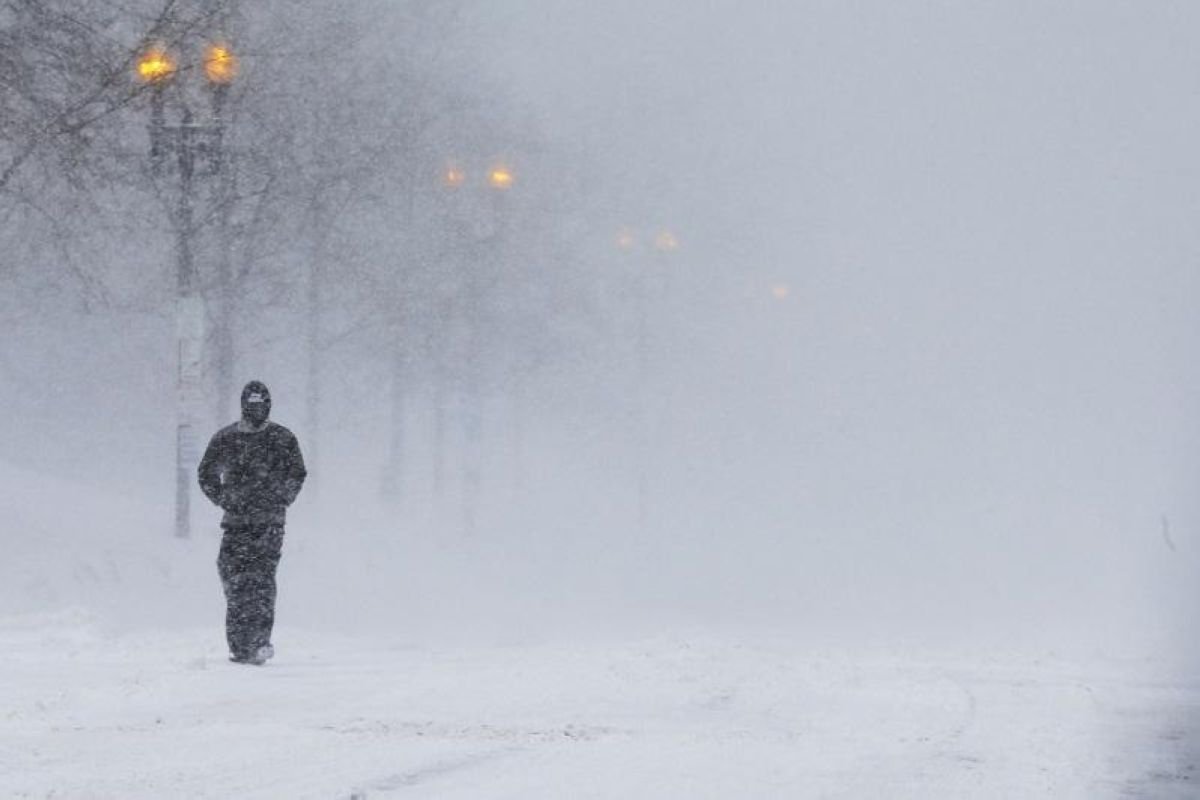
(254, 474)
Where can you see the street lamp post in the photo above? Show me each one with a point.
(220, 69)
(645, 284)
(482, 224)
(500, 180)
(196, 147)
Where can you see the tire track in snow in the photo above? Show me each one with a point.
(520, 740)
(434, 770)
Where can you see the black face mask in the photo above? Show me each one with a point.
(256, 403)
(256, 413)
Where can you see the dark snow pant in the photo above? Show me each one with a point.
(249, 556)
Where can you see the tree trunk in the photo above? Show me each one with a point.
(393, 472)
(316, 272)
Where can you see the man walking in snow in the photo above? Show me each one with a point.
(253, 470)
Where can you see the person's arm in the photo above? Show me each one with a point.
(210, 471)
(296, 472)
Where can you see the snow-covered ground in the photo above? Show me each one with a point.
(114, 683)
(87, 714)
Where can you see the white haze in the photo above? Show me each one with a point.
(970, 419)
(973, 416)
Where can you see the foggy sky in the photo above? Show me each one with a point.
(985, 213)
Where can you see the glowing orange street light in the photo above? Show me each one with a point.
(155, 66)
(500, 177)
(665, 241)
(781, 291)
(454, 177)
(220, 65)
(625, 239)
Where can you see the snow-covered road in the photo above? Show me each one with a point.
(84, 714)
